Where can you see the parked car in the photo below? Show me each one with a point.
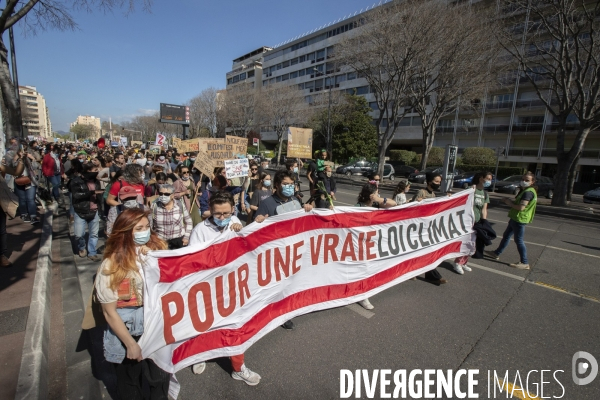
(282, 160)
(355, 168)
(403, 170)
(592, 196)
(420, 176)
(511, 185)
(388, 172)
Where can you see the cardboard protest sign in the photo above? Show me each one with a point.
(155, 149)
(160, 139)
(216, 150)
(216, 299)
(299, 143)
(237, 168)
(187, 146)
(239, 146)
(204, 164)
(176, 142)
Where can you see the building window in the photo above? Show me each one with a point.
(294, 61)
(285, 77)
(278, 79)
(236, 78)
(301, 86)
(301, 58)
(340, 78)
(330, 52)
(320, 55)
(265, 83)
(302, 72)
(278, 66)
(374, 106)
(310, 57)
(250, 74)
(362, 90)
(229, 81)
(351, 75)
(242, 76)
(285, 64)
(293, 75)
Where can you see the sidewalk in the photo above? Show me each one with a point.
(16, 285)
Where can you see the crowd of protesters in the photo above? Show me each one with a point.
(150, 201)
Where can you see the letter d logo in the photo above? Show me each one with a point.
(583, 367)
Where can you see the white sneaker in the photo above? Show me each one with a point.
(458, 268)
(467, 268)
(366, 304)
(199, 368)
(251, 378)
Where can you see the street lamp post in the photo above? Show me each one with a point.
(328, 137)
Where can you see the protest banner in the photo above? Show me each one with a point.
(160, 139)
(299, 143)
(216, 150)
(216, 299)
(187, 146)
(204, 164)
(239, 146)
(237, 168)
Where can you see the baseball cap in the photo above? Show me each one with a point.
(127, 192)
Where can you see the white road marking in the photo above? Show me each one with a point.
(341, 202)
(539, 284)
(360, 311)
(561, 249)
(528, 226)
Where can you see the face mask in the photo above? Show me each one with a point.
(161, 158)
(267, 183)
(487, 184)
(141, 238)
(130, 203)
(81, 160)
(328, 174)
(222, 223)
(287, 190)
(185, 178)
(150, 162)
(164, 199)
(525, 184)
(143, 176)
(295, 170)
(407, 189)
(192, 158)
(90, 176)
(435, 186)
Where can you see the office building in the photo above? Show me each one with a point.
(89, 120)
(34, 112)
(512, 117)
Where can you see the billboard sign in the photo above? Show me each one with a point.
(174, 114)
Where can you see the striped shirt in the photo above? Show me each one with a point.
(173, 223)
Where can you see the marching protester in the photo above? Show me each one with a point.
(128, 198)
(262, 190)
(400, 192)
(151, 191)
(521, 213)
(434, 181)
(119, 288)
(184, 186)
(481, 180)
(133, 175)
(369, 197)
(329, 182)
(222, 219)
(252, 182)
(316, 168)
(6, 194)
(25, 187)
(170, 219)
(53, 169)
(219, 184)
(282, 201)
(163, 163)
(85, 191)
(118, 164)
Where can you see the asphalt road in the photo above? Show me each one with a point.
(495, 318)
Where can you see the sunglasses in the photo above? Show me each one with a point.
(185, 173)
(253, 169)
(165, 193)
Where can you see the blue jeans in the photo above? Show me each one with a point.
(93, 226)
(518, 229)
(55, 182)
(26, 200)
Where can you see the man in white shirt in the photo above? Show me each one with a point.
(221, 208)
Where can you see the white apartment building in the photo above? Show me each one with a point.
(513, 118)
(89, 120)
(36, 118)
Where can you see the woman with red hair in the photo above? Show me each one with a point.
(120, 290)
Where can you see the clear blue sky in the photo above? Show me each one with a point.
(120, 66)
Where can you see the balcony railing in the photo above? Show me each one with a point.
(549, 152)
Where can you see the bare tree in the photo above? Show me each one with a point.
(383, 50)
(239, 106)
(327, 109)
(203, 113)
(149, 126)
(453, 69)
(280, 107)
(559, 54)
(34, 16)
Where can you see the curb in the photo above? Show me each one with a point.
(33, 374)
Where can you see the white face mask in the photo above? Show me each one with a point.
(130, 203)
(164, 199)
(525, 184)
(328, 174)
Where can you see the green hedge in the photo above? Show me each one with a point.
(403, 155)
(478, 156)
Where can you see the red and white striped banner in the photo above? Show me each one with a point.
(216, 299)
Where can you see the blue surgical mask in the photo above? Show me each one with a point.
(141, 238)
(295, 170)
(222, 223)
(267, 183)
(487, 184)
(287, 190)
